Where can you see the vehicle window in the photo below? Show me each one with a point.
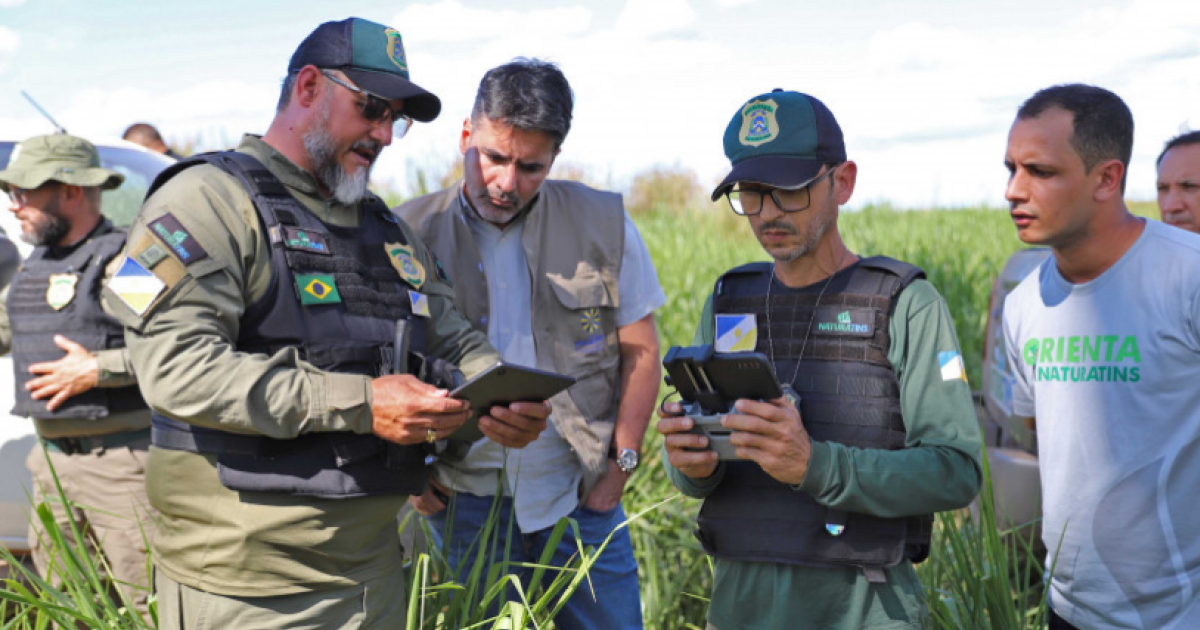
(139, 168)
(122, 205)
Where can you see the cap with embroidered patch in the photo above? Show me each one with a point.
(57, 157)
(372, 56)
(780, 139)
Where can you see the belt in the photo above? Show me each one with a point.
(76, 445)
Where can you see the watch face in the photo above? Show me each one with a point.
(627, 459)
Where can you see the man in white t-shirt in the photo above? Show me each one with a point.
(1105, 338)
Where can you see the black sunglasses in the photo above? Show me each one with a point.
(374, 109)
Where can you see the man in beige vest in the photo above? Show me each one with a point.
(558, 276)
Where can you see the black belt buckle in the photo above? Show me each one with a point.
(69, 446)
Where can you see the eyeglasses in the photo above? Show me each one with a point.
(374, 109)
(750, 202)
(19, 197)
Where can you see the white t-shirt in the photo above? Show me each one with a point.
(1111, 371)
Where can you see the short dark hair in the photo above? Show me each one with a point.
(138, 132)
(1182, 140)
(285, 91)
(1102, 125)
(527, 94)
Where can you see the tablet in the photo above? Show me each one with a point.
(501, 385)
(716, 380)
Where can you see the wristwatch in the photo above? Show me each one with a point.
(626, 458)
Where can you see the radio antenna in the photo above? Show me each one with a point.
(43, 112)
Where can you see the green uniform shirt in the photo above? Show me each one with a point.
(939, 470)
(258, 544)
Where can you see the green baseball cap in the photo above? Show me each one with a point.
(372, 56)
(57, 157)
(780, 139)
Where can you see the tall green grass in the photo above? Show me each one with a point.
(77, 593)
(975, 572)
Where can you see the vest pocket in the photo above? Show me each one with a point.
(585, 328)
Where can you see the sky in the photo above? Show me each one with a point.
(925, 90)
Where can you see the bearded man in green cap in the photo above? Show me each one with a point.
(261, 294)
(71, 367)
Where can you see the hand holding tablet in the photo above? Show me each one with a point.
(501, 385)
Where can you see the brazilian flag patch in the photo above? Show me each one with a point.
(317, 288)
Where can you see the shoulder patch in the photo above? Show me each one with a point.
(403, 258)
(172, 233)
(736, 332)
(136, 286)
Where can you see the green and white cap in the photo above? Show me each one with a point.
(372, 56)
(780, 139)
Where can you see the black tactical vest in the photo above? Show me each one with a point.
(355, 335)
(53, 295)
(849, 394)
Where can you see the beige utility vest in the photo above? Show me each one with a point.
(574, 238)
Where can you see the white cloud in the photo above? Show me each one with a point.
(733, 3)
(450, 21)
(10, 41)
(654, 17)
(212, 114)
(633, 83)
(925, 104)
(8, 4)
(931, 106)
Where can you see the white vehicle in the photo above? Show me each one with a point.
(1011, 446)
(17, 437)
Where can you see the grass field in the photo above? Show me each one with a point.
(960, 250)
(973, 578)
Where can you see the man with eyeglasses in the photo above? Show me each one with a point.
(70, 364)
(818, 522)
(289, 326)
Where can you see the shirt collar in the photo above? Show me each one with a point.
(287, 171)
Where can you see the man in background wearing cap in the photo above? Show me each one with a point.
(1104, 343)
(819, 521)
(1179, 181)
(70, 362)
(558, 277)
(261, 292)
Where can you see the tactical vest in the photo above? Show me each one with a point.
(353, 334)
(574, 240)
(62, 297)
(849, 394)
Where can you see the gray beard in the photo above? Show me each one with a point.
(814, 237)
(347, 188)
(818, 229)
(52, 229)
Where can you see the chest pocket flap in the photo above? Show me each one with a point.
(584, 290)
